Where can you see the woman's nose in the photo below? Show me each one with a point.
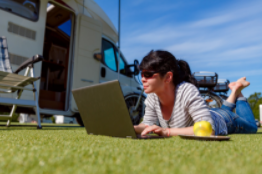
(143, 79)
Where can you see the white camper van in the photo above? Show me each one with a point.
(78, 43)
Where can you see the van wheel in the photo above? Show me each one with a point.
(79, 120)
(136, 116)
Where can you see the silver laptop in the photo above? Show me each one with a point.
(104, 112)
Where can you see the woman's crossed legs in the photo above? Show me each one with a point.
(243, 120)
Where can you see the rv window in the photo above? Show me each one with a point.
(66, 27)
(122, 65)
(109, 55)
(25, 8)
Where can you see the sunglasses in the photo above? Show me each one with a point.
(148, 74)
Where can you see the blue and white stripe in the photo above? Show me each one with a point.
(4, 58)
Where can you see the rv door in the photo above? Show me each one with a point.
(87, 42)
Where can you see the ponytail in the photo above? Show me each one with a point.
(185, 73)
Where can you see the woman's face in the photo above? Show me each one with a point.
(153, 84)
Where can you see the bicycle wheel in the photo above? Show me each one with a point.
(224, 97)
(136, 116)
(212, 100)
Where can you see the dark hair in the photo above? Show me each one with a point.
(163, 62)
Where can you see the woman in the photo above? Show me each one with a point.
(174, 101)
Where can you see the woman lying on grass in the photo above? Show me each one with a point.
(174, 101)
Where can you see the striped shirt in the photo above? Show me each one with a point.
(189, 107)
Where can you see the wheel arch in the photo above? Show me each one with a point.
(135, 93)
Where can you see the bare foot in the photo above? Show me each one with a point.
(231, 85)
(244, 82)
(239, 85)
(242, 78)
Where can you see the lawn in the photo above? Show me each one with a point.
(71, 150)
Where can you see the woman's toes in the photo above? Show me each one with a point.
(245, 83)
(242, 79)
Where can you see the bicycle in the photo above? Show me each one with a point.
(222, 88)
(136, 106)
(206, 82)
(135, 101)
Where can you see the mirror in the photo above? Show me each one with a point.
(134, 71)
(136, 67)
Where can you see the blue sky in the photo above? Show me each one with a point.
(219, 36)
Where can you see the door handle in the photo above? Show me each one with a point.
(85, 80)
(103, 72)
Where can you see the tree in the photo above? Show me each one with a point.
(254, 101)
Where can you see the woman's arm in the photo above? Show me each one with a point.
(184, 131)
(181, 131)
(169, 131)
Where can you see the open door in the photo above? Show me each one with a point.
(87, 42)
(54, 75)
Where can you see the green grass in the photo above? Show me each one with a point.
(71, 150)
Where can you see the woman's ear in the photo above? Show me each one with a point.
(169, 76)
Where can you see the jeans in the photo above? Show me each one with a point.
(242, 121)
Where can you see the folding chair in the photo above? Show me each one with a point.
(12, 82)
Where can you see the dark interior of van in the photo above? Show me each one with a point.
(54, 73)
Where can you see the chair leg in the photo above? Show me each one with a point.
(8, 123)
(11, 115)
(13, 109)
(39, 126)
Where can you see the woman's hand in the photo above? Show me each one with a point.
(157, 130)
(139, 128)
